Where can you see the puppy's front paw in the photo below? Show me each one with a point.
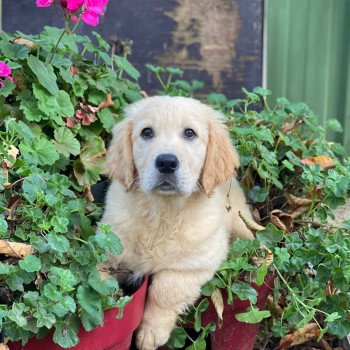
(150, 338)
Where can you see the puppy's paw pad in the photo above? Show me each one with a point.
(149, 339)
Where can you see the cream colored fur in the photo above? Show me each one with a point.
(180, 237)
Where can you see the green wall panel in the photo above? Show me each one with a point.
(308, 56)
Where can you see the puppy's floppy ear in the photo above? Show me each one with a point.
(222, 159)
(120, 161)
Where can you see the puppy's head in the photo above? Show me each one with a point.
(171, 145)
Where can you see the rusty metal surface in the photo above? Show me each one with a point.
(216, 41)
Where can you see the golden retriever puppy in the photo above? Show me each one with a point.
(173, 166)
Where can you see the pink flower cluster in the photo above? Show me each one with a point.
(90, 10)
(5, 72)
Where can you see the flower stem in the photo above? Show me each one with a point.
(76, 25)
(58, 41)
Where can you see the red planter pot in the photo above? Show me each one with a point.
(236, 335)
(115, 334)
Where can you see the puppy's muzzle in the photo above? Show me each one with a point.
(167, 163)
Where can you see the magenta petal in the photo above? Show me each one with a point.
(9, 78)
(4, 69)
(73, 5)
(90, 18)
(2, 83)
(44, 3)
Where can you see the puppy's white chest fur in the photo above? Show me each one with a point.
(160, 232)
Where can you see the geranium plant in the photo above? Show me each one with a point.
(294, 179)
(60, 94)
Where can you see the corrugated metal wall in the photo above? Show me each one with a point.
(308, 56)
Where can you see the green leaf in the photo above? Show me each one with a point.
(108, 241)
(33, 185)
(40, 151)
(262, 92)
(91, 320)
(253, 315)
(65, 142)
(332, 317)
(107, 118)
(58, 242)
(244, 291)
(6, 269)
(121, 303)
(279, 330)
(16, 314)
(261, 274)
(126, 66)
(44, 319)
(59, 224)
(339, 327)
(258, 195)
(202, 306)
(63, 278)
(18, 278)
(105, 286)
(177, 338)
(14, 51)
(3, 226)
(198, 344)
(51, 292)
(89, 299)
(20, 128)
(66, 305)
(270, 235)
(66, 332)
(45, 74)
(30, 263)
(90, 165)
(334, 125)
(56, 106)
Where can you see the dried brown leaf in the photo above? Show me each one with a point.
(298, 211)
(269, 257)
(300, 336)
(298, 201)
(324, 161)
(38, 280)
(13, 151)
(107, 102)
(15, 249)
(144, 94)
(275, 309)
(288, 127)
(281, 220)
(28, 43)
(251, 224)
(88, 194)
(218, 303)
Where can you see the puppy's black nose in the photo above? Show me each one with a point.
(167, 163)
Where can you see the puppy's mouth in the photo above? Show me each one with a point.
(167, 183)
(167, 186)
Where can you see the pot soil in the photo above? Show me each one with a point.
(115, 334)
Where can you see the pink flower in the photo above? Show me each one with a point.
(44, 3)
(73, 5)
(93, 8)
(5, 72)
(89, 10)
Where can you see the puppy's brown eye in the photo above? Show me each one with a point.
(189, 134)
(147, 133)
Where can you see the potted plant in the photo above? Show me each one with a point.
(299, 261)
(60, 94)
